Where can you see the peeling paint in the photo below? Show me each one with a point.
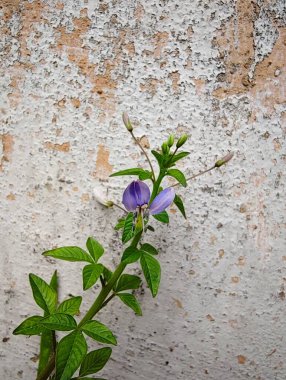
(103, 168)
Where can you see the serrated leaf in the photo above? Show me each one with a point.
(120, 224)
(163, 217)
(179, 156)
(152, 272)
(69, 254)
(95, 249)
(90, 274)
(178, 175)
(179, 203)
(130, 301)
(60, 322)
(43, 294)
(99, 332)
(128, 232)
(70, 306)
(130, 255)
(70, 353)
(30, 326)
(132, 171)
(128, 281)
(146, 247)
(95, 361)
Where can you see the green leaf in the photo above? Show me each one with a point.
(133, 171)
(149, 249)
(90, 274)
(30, 326)
(179, 203)
(146, 174)
(128, 233)
(47, 343)
(60, 322)
(152, 272)
(95, 248)
(54, 281)
(128, 281)
(107, 273)
(44, 294)
(95, 361)
(130, 255)
(178, 175)
(69, 254)
(120, 224)
(99, 332)
(70, 306)
(163, 217)
(179, 156)
(158, 157)
(131, 301)
(152, 229)
(70, 353)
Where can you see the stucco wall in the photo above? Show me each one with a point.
(213, 69)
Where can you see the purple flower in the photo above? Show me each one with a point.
(136, 197)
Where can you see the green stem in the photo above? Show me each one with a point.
(95, 307)
(108, 300)
(157, 185)
(170, 159)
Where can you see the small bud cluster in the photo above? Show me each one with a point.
(170, 142)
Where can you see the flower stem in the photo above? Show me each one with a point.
(100, 302)
(156, 185)
(195, 175)
(145, 153)
(96, 306)
(121, 208)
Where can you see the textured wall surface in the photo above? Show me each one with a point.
(214, 69)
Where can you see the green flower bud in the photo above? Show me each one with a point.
(127, 122)
(170, 141)
(181, 141)
(165, 148)
(224, 160)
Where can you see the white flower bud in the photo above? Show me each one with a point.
(100, 198)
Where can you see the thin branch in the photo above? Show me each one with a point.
(107, 300)
(121, 208)
(145, 153)
(195, 175)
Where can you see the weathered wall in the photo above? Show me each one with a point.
(214, 69)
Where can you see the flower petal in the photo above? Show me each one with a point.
(142, 193)
(162, 201)
(136, 194)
